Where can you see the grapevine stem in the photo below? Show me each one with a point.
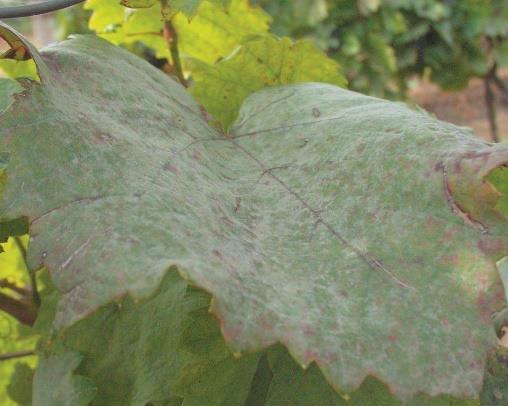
(24, 312)
(18, 354)
(490, 103)
(171, 37)
(33, 280)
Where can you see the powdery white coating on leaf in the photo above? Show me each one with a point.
(335, 223)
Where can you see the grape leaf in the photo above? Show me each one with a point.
(291, 385)
(150, 371)
(499, 179)
(8, 88)
(213, 32)
(212, 376)
(258, 63)
(106, 14)
(138, 3)
(495, 390)
(13, 271)
(178, 354)
(21, 382)
(357, 232)
(54, 383)
(191, 7)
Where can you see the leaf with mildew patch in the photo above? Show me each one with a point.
(359, 233)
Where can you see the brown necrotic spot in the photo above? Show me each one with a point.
(171, 168)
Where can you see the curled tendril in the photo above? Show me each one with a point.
(37, 8)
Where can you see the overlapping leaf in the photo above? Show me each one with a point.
(12, 273)
(177, 356)
(357, 232)
(55, 384)
(261, 62)
(212, 33)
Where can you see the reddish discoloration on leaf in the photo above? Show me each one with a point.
(171, 168)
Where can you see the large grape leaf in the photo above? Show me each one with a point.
(357, 232)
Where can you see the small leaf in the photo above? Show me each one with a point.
(212, 33)
(8, 88)
(19, 388)
(106, 14)
(260, 62)
(123, 328)
(215, 32)
(54, 383)
(191, 7)
(212, 375)
(367, 7)
(292, 385)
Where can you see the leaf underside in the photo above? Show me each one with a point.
(357, 232)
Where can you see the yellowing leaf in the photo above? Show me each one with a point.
(212, 33)
(261, 62)
(19, 69)
(12, 265)
(144, 25)
(12, 270)
(106, 14)
(215, 32)
(138, 3)
(190, 7)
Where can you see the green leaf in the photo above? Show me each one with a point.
(501, 53)
(212, 33)
(8, 88)
(12, 339)
(54, 384)
(499, 179)
(212, 376)
(13, 228)
(503, 271)
(367, 7)
(261, 62)
(176, 353)
(215, 32)
(292, 385)
(21, 383)
(106, 14)
(191, 7)
(357, 232)
(495, 390)
(138, 3)
(151, 369)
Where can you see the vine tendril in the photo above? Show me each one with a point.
(36, 8)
